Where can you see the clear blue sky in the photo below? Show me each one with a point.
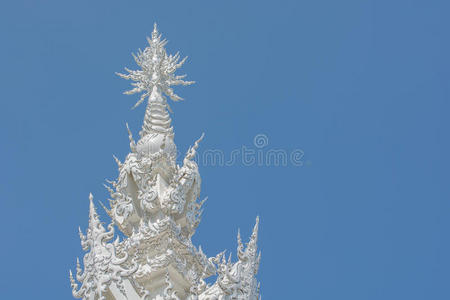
(362, 87)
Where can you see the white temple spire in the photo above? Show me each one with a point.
(155, 203)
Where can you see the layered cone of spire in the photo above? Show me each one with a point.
(157, 132)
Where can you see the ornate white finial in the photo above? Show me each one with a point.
(157, 70)
(155, 78)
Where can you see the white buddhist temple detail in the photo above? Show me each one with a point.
(236, 280)
(155, 203)
(104, 264)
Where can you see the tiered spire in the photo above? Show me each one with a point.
(155, 203)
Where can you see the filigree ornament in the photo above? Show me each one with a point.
(102, 264)
(236, 280)
(157, 70)
(169, 292)
(148, 199)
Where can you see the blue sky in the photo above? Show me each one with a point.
(361, 87)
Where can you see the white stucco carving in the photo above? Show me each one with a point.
(155, 203)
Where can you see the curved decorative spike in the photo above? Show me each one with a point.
(109, 189)
(130, 137)
(193, 150)
(202, 202)
(117, 161)
(73, 284)
(254, 237)
(82, 236)
(108, 211)
(240, 248)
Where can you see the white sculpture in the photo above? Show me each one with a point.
(154, 202)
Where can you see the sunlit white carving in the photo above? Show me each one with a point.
(155, 203)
